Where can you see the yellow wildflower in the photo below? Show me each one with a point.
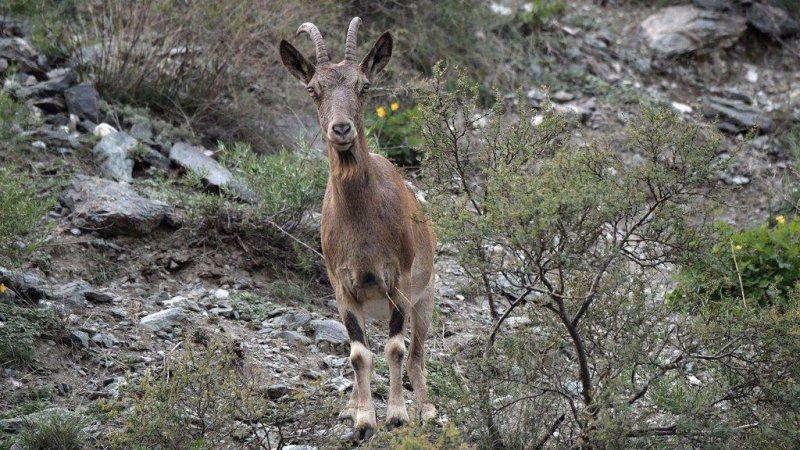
(3, 288)
(394, 106)
(738, 247)
(381, 111)
(780, 220)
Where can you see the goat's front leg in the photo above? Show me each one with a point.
(396, 413)
(360, 404)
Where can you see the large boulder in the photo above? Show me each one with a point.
(214, 174)
(112, 208)
(682, 29)
(162, 320)
(111, 153)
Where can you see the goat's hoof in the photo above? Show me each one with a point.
(395, 422)
(364, 432)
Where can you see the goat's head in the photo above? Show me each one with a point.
(339, 90)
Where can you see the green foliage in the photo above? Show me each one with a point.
(541, 11)
(756, 267)
(251, 307)
(20, 223)
(192, 404)
(578, 241)
(422, 438)
(12, 114)
(54, 431)
(287, 184)
(396, 130)
(21, 327)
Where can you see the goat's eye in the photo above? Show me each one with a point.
(366, 86)
(311, 92)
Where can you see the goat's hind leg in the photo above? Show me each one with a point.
(396, 413)
(421, 315)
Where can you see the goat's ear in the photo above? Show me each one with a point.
(296, 63)
(379, 56)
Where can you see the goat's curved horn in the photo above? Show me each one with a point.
(352, 40)
(319, 43)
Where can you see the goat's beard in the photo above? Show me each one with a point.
(347, 164)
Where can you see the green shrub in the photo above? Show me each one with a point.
(21, 327)
(20, 222)
(287, 185)
(396, 131)
(11, 114)
(54, 431)
(575, 242)
(541, 11)
(208, 397)
(756, 267)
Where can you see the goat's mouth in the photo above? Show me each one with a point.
(341, 147)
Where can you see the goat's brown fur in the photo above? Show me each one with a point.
(377, 244)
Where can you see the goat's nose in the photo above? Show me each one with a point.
(341, 129)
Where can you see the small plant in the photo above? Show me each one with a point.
(251, 307)
(537, 13)
(19, 329)
(12, 114)
(396, 132)
(22, 211)
(54, 431)
(757, 267)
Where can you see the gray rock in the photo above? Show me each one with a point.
(771, 20)
(106, 340)
(3, 65)
(214, 175)
(733, 179)
(329, 330)
(98, 297)
(716, 5)
(54, 137)
(340, 383)
(291, 320)
(162, 320)
(72, 294)
(279, 390)
(79, 338)
(293, 337)
(111, 153)
(83, 101)
(682, 29)
(154, 158)
(112, 208)
(48, 105)
(735, 116)
(299, 447)
(142, 130)
(27, 285)
(20, 51)
(562, 97)
(13, 27)
(55, 86)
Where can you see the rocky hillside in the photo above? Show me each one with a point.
(146, 262)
